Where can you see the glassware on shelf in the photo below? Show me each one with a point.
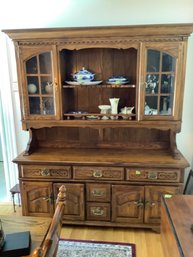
(105, 109)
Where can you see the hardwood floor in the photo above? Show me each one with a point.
(148, 243)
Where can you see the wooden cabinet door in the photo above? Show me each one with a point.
(74, 207)
(39, 90)
(153, 201)
(162, 81)
(37, 199)
(127, 204)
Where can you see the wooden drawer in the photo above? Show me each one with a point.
(160, 175)
(98, 193)
(98, 211)
(42, 171)
(98, 173)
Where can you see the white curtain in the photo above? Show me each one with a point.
(7, 126)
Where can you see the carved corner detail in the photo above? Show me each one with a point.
(32, 143)
(173, 146)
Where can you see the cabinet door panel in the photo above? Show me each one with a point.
(39, 80)
(127, 204)
(74, 207)
(153, 201)
(37, 199)
(161, 83)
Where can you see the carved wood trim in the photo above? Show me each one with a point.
(101, 42)
(173, 146)
(32, 143)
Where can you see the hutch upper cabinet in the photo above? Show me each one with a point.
(115, 165)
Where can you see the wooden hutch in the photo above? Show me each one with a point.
(115, 169)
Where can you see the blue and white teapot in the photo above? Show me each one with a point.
(83, 75)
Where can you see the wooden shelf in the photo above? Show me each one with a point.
(137, 157)
(100, 86)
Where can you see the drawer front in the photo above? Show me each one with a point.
(98, 173)
(98, 211)
(160, 175)
(41, 171)
(98, 193)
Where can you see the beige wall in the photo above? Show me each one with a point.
(61, 13)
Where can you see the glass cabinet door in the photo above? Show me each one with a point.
(40, 85)
(159, 83)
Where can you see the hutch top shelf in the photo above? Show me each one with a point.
(152, 57)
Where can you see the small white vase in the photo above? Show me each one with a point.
(114, 106)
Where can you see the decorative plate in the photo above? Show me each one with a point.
(118, 82)
(84, 82)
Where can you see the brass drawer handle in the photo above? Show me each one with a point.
(97, 174)
(152, 175)
(97, 211)
(97, 193)
(45, 172)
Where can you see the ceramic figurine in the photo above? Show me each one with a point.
(49, 88)
(126, 110)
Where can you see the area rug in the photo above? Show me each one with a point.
(82, 248)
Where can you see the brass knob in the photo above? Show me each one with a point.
(150, 204)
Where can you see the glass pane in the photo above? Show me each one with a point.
(48, 105)
(151, 105)
(33, 85)
(153, 61)
(34, 105)
(152, 84)
(31, 66)
(46, 85)
(166, 104)
(45, 63)
(167, 83)
(168, 63)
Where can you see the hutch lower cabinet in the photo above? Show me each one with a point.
(100, 192)
(102, 106)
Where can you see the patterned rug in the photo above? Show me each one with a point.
(81, 248)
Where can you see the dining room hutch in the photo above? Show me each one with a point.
(115, 167)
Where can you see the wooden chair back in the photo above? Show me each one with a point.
(49, 246)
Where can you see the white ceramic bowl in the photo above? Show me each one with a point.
(104, 107)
